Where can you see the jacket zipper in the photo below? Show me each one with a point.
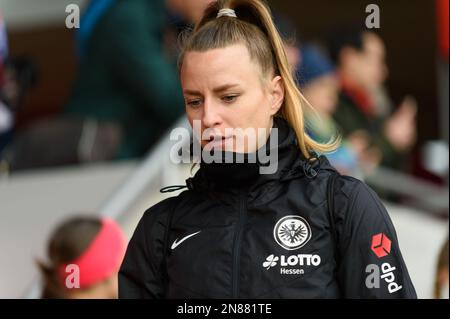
(237, 245)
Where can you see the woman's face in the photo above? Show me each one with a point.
(224, 90)
(368, 66)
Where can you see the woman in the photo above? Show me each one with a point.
(84, 257)
(238, 233)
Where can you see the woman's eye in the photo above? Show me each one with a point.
(194, 104)
(229, 98)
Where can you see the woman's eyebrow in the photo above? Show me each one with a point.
(216, 90)
(192, 92)
(224, 87)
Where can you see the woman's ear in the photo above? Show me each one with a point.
(277, 94)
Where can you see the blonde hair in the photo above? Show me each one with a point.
(442, 265)
(255, 28)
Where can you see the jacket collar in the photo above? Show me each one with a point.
(236, 178)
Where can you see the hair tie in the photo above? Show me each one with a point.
(226, 13)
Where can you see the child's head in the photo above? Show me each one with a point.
(84, 255)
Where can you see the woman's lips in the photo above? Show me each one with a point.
(217, 141)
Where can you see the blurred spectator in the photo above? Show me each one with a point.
(291, 38)
(6, 117)
(441, 287)
(3, 40)
(93, 246)
(363, 112)
(125, 82)
(192, 10)
(126, 94)
(320, 86)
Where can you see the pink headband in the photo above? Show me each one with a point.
(101, 259)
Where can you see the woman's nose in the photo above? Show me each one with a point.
(211, 117)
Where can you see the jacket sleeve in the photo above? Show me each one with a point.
(140, 275)
(370, 263)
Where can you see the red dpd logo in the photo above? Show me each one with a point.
(381, 245)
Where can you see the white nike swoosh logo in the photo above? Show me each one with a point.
(176, 242)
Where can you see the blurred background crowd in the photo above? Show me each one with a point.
(85, 115)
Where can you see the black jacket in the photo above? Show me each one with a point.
(238, 234)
